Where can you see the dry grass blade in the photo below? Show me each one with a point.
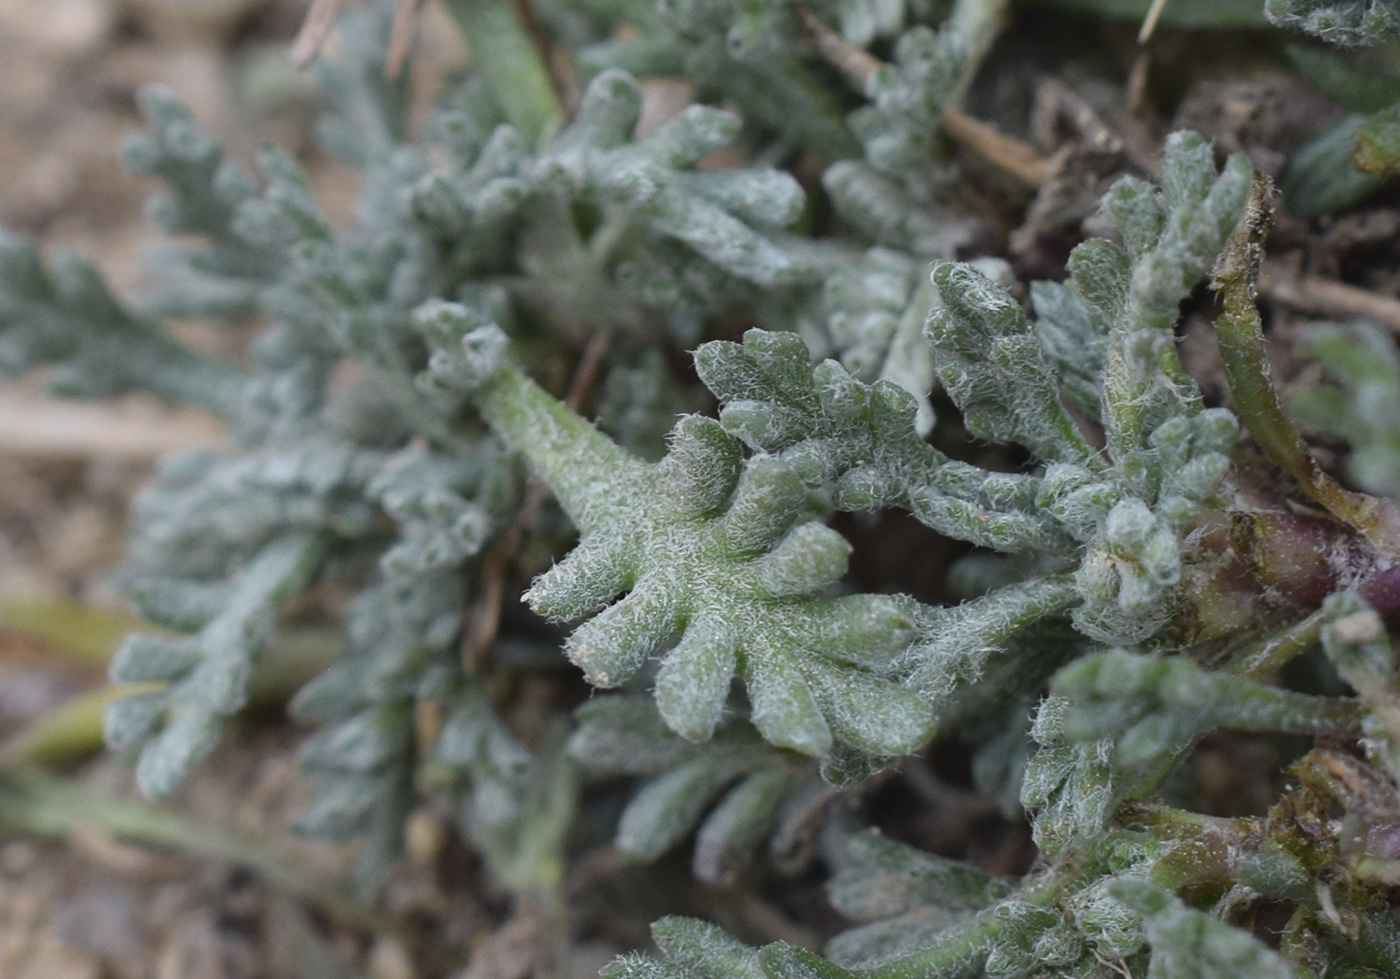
(45, 805)
(858, 66)
(314, 31)
(42, 427)
(1328, 297)
(1149, 23)
(1015, 157)
(401, 37)
(1011, 155)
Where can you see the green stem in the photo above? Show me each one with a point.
(78, 632)
(45, 805)
(1267, 656)
(1210, 854)
(1264, 710)
(1205, 850)
(70, 731)
(507, 56)
(1171, 823)
(1246, 366)
(590, 475)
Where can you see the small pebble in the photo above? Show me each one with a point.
(388, 959)
(424, 838)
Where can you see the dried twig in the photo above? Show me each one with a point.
(1075, 110)
(1240, 335)
(401, 37)
(596, 865)
(483, 620)
(1015, 157)
(586, 376)
(1149, 23)
(857, 65)
(1328, 297)
(314, 31)
(767, 920)
(1137, 82)
(47, 428)
(1011, 155)
(539, 39)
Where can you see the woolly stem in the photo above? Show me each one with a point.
(185, 378)
(589, 473)
(959, 951)
(1268, 710)
(1266, 657)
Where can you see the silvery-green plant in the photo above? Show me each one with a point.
(1138, 577)
(1365, 22)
